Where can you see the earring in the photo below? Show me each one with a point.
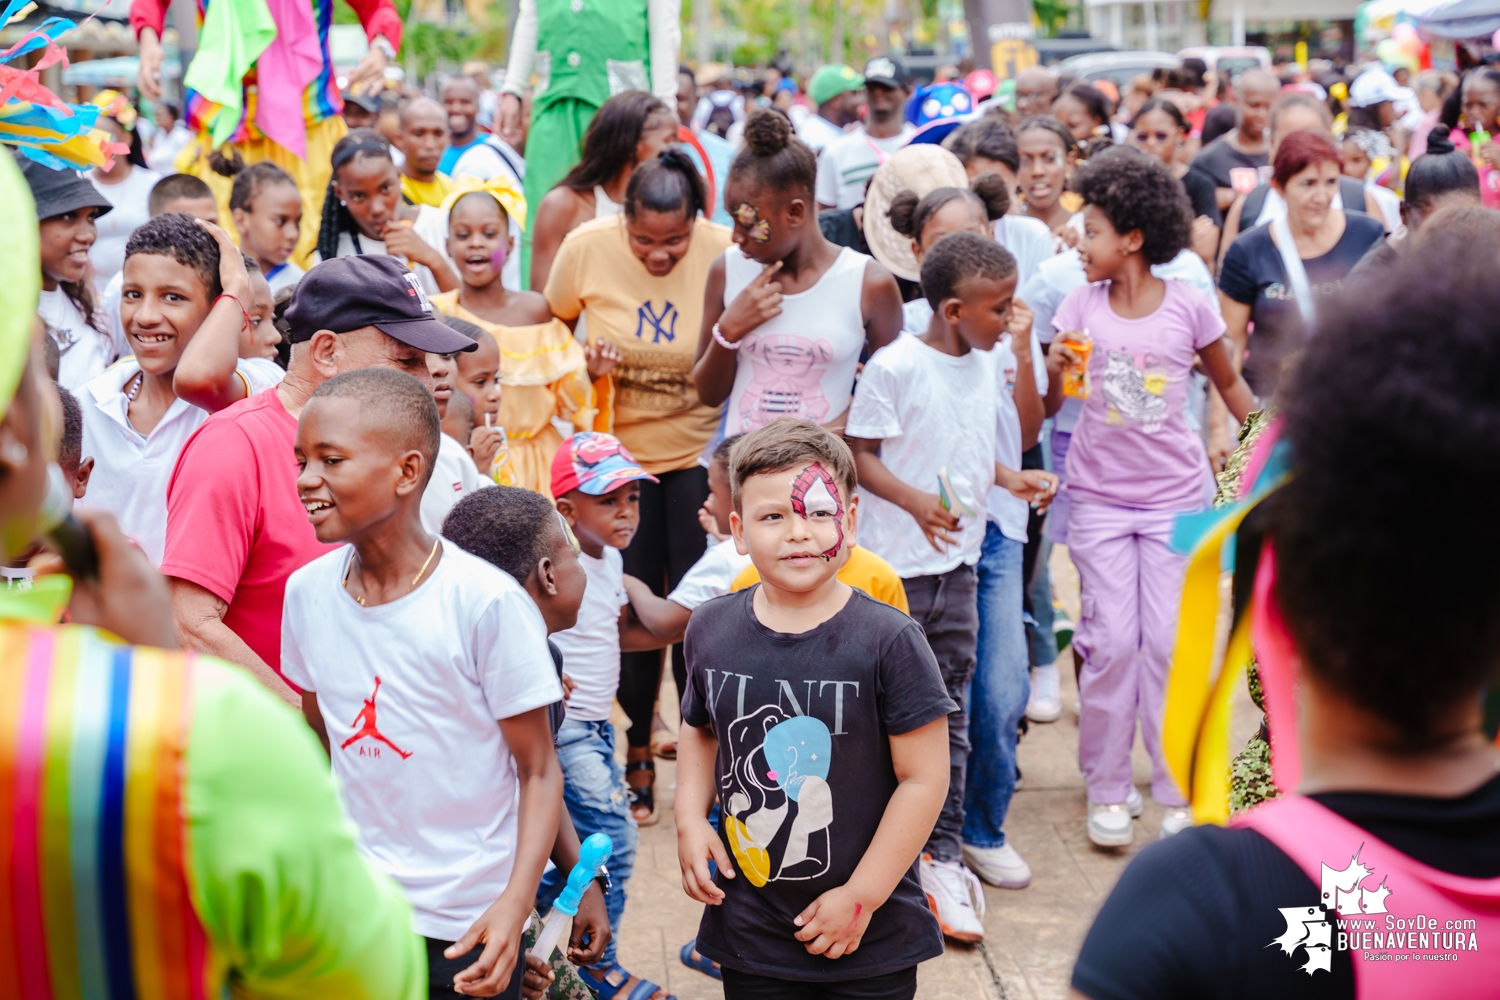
(343, 204)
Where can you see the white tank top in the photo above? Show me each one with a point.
(800, 363)
(603, 206)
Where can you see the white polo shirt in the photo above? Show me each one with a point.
(131, 469)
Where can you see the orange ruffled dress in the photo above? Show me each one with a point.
(543, 375)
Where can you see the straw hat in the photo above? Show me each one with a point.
(921, 169)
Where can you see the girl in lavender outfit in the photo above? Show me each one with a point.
(1134, 464)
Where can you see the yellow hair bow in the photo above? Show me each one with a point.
(501, 188)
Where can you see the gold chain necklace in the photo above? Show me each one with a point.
(414, 580)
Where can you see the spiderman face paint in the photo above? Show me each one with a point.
(815, 496)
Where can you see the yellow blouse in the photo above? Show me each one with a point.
(543, 375)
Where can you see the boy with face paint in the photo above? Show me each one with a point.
(923, 427)
(817, 718)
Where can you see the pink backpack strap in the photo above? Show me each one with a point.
(1412, 931)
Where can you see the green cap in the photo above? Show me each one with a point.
(23, 276)
(831, 81)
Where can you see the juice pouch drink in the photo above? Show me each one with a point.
(1075, 377)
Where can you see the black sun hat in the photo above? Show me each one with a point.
(57, 192)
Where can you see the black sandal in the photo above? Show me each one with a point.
(643, 795)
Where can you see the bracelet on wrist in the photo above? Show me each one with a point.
(244, 313)
(726, 344)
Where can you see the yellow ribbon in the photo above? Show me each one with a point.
(500, 187)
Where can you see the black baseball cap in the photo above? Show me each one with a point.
(349, 293)
(885, 71)
(57, 192)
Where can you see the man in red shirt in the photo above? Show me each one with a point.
(235, 526)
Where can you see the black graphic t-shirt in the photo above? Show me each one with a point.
(804, 775)
(1194, 916)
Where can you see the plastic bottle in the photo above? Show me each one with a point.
(591, 857)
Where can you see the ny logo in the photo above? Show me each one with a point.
(663, 325)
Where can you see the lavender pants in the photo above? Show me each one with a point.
(1130, 584)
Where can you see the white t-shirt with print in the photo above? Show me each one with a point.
(454, 476)
(131, 201)
(711, 576)
(84, 351)
(848, 162)
(411, 692)
(930, 411)
(801, 362)
(131, 469)
(591, 648)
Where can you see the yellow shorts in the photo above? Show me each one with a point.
(311, 175)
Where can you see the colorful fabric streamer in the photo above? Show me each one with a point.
(35, 120)
(92, 819)
(233, 35)
(1197, 714)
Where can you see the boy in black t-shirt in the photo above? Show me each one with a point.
(819, 717)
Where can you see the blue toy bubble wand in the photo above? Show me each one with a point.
(591, 858)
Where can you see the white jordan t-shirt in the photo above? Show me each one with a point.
(591, 648)
(410, 692)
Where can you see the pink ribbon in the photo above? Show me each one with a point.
(283, 72)
(1279, 667)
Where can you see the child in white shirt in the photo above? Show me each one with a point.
(595, 483)
(923, 427)
(426, 674)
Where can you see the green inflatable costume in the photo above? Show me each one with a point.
(582, 53)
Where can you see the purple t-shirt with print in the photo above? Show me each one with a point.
(1133, 446)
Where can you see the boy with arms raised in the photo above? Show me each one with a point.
(818, 716)
(923, 426)
(408, 650)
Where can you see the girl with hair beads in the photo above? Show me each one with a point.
(267, 212)
(544, 371)
(1134, 464)
(363, 212)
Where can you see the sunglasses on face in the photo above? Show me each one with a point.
(747, 216)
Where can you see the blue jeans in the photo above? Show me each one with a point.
(1002, 683)
(594, 792)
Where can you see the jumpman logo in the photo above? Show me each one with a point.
(366, 721)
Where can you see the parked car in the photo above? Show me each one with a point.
(1120, 67)
(1230, 60)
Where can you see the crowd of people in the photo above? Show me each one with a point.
(793, 389)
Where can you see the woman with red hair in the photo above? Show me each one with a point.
(1275, 274)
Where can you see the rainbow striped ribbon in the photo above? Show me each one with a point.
(94, 895)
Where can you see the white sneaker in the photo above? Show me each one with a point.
(1002, 867)
(1045, 703)
(954, 894)
(1110, 825)
(1175, 819)
(1135, 803)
